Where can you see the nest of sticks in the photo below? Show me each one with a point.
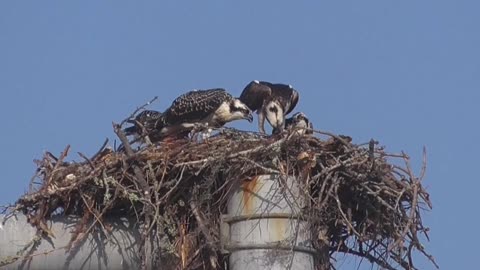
(362, 200)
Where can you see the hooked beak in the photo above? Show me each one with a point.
(249, 117)
(280, 127)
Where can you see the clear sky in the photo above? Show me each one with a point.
(406, 73)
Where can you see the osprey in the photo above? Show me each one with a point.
(271, 101)
(298, 122)
(210, 108)
(146, 123)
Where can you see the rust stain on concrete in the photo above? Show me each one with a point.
(248, 200)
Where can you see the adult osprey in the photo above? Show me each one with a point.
(299, 123)
(212, 108)
(271, 101)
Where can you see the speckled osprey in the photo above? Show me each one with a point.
(213, 108)
(271, 101)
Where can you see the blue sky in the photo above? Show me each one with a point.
(406, 73)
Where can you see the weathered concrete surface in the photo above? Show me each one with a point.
(265, 231)
(117, 252)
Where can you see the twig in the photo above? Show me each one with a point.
(128, 149)
(87, 160)
(368, 256)
(201, 223)
(100, 150)
(333, 136)
(132, 116)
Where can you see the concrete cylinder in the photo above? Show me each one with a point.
(266, 231)
(118, 251)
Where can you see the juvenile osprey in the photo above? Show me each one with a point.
(146, 123)
(213, 108)
(271, 101)
(298, 122)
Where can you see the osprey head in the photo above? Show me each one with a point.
(301, 123)
(275, 115)
(300, 120)
(238, 111)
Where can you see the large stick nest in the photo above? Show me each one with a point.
(363, 201)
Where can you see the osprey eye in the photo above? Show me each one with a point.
(273, 109)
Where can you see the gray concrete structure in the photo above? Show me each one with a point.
(119, 251)
(266, 231)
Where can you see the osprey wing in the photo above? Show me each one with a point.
(196, 105)
(310, 128)
(294, 97)
(255, 93)
(286, 95)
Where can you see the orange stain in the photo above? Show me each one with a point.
(249, 189)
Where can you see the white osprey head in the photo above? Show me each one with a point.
(237, 110)
(275, 114)
(300, 120)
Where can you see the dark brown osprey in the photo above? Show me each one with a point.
(271, 101)
(210, 108)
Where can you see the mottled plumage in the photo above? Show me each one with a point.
(196, 105)
(212, 108)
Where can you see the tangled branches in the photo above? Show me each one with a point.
(360, 201)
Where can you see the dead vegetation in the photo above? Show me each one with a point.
(362, 202)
